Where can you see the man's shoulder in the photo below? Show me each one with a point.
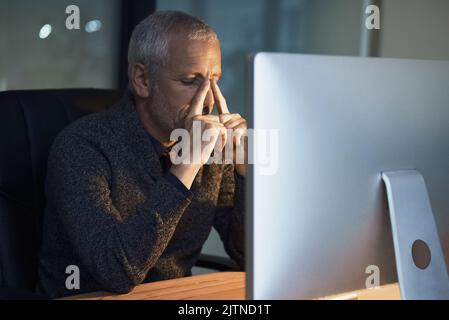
(92, 134)
(96, 127)
(96, 132)
(92, 127)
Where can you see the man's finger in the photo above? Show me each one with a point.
(226, 117)
(205, 122)
(219, 99)
(239, 134)
(197, 104)
(209, 117)
(234, 123)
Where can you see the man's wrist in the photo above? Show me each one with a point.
(240, 169)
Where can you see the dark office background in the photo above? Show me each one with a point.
(77, 58)
(33, 56)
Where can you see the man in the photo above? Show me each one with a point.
(117, 210)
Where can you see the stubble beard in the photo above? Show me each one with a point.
(160, 111)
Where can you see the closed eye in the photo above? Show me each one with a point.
(188, 82)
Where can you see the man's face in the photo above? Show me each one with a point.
(187, 65)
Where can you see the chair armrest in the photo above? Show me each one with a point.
(217, 263)
(7, 293)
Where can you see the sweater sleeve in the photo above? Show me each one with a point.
(230, 215)
(117, 252)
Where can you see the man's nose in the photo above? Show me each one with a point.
(208, 103)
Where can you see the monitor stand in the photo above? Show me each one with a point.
(420, 262)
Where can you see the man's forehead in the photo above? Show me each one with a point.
(186, 55)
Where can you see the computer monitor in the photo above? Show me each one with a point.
(319, 220)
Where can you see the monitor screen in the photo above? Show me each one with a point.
(319, 220)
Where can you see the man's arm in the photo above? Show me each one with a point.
(117, 253)
(230, 214)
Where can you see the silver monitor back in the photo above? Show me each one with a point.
(318, 223)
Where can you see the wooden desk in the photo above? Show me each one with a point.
(209, 286)
(220, 286)
(386, 292)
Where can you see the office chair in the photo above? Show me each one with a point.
(29, 122)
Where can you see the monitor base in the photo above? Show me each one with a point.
(420, 264)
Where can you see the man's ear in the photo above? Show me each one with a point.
(140, 80)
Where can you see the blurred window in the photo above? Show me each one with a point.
(37, 51)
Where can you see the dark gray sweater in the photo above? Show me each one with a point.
(112, 212)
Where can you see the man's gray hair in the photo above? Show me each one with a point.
(149, 41)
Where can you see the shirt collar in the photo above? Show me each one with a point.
(158, 147)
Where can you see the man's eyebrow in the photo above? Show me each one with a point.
(200, 75)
